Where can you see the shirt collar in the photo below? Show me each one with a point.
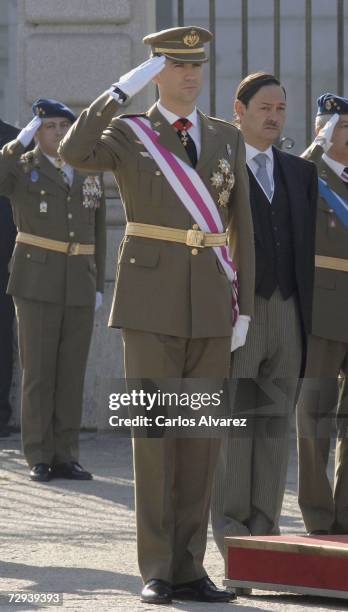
(53, 161)
(172, 117)
(252, 151)
(336, 166)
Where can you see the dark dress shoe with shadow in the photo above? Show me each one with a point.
(157, 592)
(40, 472)
(315, 532)
(71, 471)
(202, 590)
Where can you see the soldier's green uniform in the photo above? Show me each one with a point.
(173, 302)
(54, 294)
(322, 508)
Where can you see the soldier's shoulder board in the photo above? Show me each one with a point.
(128, 115)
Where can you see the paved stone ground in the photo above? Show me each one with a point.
(79, 538)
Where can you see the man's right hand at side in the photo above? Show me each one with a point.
(134, 81)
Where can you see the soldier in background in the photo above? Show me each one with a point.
(7, 240)
(57, 267)
(324, 390)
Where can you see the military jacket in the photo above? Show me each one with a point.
(330, 302)
(43, 204)
(166, 287)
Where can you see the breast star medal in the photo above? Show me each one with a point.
(223, 181)
(91, 192)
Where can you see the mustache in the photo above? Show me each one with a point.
(271, 124)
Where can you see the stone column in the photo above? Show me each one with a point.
(73, 51)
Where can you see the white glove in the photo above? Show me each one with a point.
(240, 331)
(98, 300)
(323, 138)
(28, 132)
(136, 79)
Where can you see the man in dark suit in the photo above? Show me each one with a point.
(324, 391)
(251, 474)
(7, 239)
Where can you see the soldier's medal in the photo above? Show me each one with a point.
(43, 207)
(184, 138)
(224, 166)
(217, 179)
(91, 191)
(34, 176)
(230, 181)
(224, 196)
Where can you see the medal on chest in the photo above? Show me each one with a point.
(91, 192)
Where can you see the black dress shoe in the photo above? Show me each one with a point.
(315, 532)
(202, 590)
(71, 470)
(157, 592)
(40, 472)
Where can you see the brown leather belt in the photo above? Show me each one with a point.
(70, 248)
(331, 263)
(192, 237)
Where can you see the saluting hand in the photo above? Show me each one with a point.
(134, 81)
(324, 136)
(27, 134)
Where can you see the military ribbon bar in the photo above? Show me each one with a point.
(338, 204)
(192, 192)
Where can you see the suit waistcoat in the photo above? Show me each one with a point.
(275, 244)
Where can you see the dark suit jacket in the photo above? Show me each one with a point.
(300, 179)
(7, 227)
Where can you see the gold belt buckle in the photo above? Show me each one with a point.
(73, 248)
(195, 238)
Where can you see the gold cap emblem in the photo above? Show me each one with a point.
(191, 39)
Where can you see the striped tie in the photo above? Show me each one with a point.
(262, 174)
(344, 175)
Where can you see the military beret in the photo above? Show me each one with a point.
(45, 108)
(180, 44)
(329, 104)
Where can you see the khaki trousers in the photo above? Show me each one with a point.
(323, 399)
(54, 342)
(173, 476)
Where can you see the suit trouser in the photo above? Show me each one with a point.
(54, 342)
(173, 475)
(318, 405)
(6, 346)
(251, 471)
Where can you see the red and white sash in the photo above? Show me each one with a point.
(191, 191)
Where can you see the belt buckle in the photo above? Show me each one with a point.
(73, 248)
(195, 238)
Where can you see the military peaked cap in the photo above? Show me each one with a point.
(180, 44)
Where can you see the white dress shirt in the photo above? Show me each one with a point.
(336, 166)
(194, 131)
(253, 165)
(68, 170)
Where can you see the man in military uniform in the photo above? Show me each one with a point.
(325, 387)
(7, 238)
(251, 472)
(56, 269)
(173, 296)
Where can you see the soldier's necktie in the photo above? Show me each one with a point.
(182, 126)
(261, 173)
